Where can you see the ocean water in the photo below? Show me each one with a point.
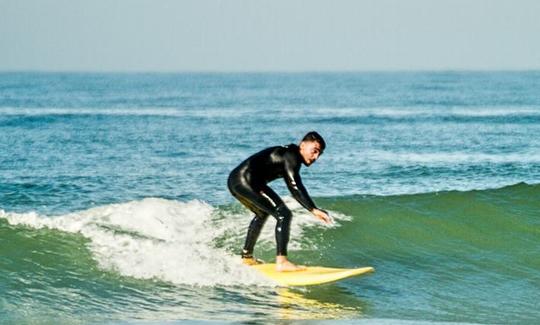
(114, 206)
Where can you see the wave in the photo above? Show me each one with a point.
(180, 242)
(440, 256)
(444, 158)
(338, 113)
(159, 112)
(194, 243)
(494, 230)
(152, 238)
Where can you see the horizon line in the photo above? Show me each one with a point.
(263, 71)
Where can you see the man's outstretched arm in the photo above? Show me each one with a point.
(299, 192)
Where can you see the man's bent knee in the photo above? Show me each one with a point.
(283, 213)
(283, 216)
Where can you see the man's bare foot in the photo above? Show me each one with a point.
(284, 265)
(251, 261)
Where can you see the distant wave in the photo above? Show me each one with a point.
(12, 111)
(336, 112)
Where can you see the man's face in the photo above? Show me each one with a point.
(310, 151)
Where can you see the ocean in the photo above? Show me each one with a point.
(114, 207)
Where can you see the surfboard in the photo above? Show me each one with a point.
(312, 275)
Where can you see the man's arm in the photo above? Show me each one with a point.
(297, 189)
(299, 192)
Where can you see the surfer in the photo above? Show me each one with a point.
(248, 184)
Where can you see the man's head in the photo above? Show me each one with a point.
(311, 147)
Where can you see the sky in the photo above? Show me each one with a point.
(277, 35)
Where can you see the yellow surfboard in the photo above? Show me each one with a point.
(312, 275)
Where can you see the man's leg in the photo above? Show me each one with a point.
(254, 229)
(253, 233)
(265, 201)
(283, 216)
(258, 204)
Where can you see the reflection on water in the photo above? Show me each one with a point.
(294, 304)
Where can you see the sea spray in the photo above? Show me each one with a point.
(151, 238)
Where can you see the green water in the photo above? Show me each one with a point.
(448, 256)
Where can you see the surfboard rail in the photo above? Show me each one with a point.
(312, 275)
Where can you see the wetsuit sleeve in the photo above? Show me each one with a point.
(294, 183)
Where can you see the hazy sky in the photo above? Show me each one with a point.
(252, 35)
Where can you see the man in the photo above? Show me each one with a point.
(248, 183)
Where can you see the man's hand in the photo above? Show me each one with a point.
(322, 215)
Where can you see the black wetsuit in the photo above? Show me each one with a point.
(247, 183)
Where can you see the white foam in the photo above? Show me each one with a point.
(152, 111)
(152, 238)
(173, 241)
(378, 157)
(416, 112)
(494, 111)
(344, 112)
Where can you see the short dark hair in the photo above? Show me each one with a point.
(314, 136)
